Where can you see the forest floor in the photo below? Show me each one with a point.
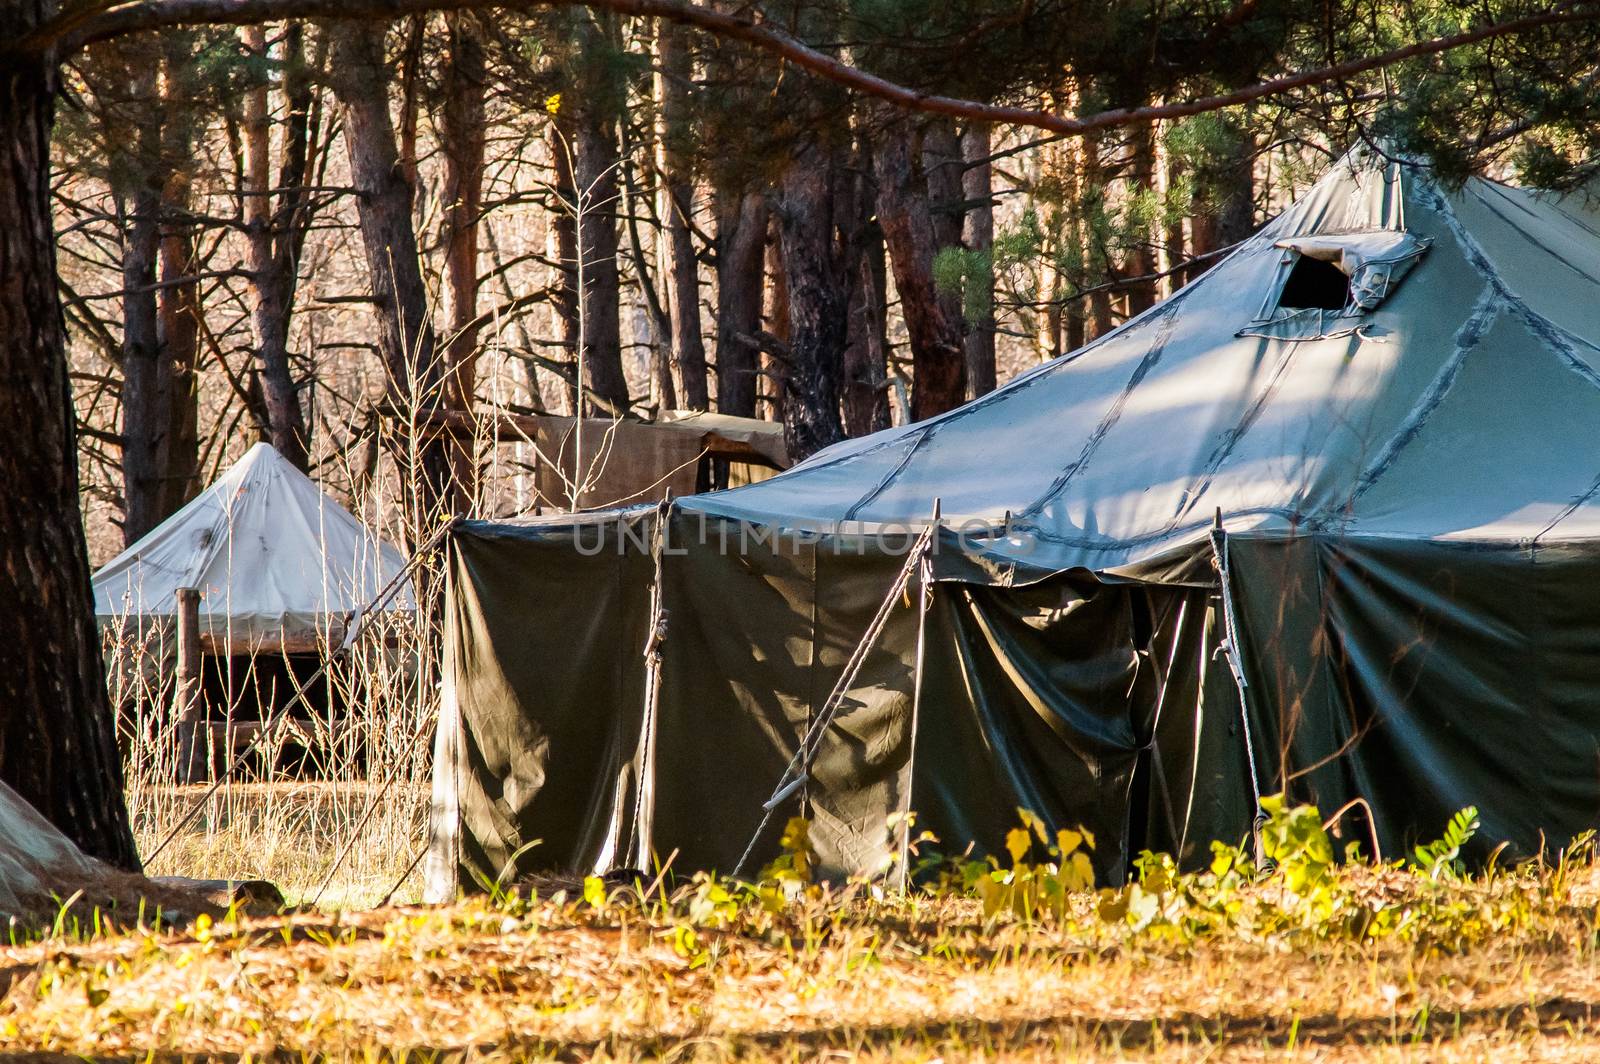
(1311, 961)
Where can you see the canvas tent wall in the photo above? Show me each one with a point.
(1406, 467)
(281, 567)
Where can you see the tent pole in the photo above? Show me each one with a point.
(798, 769)
(1230, 649)
(924, 601)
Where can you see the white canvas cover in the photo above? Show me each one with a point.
(36, 860)
(274, 557)
(1463, 405)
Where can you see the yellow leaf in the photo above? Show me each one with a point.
(1081, 875)
(1032, 820)
(992, 894)
(1067, 841)
(1113, 906)
(1017, 843)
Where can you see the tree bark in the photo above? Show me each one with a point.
(741, 247)
(1073, 318)
(462, 136)
(1141, 260)
(683, 266)
(57, 739)
(774, 366)
(1226, 191)
(866, 353)
(594, 171)
(978, 235)
(561, 247)
(271, 286)
(179, 308)
(406, 339)
(817, 300)
(596, 160)
(938, 360)
(144, 413)
(943, 170)
(1099, 322)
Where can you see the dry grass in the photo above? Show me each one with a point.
(829, 977)
(290, 833)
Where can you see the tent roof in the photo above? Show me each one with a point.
(273, 556)
(1464, 405)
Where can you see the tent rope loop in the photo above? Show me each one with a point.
(644, 788)
(1230, 649)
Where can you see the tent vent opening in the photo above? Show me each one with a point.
(1327, 284)
(1313, 284)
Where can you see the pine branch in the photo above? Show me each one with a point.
(72, 30)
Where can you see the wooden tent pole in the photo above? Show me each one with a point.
(193, 751)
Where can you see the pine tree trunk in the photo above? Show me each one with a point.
(741, 247)
(1048, 318)
(1142, 256)
(866, 353)
(1073, 314)
(942, 170)
(683, 267)
(270, 289)
(595, 174)
(978, 235)
(774, 372)
(178, 312)
(406, 340)
(144, 415)
(462, 135)
(1099, 322)
(57, 739)
(817, 300)
(938, 359)
(596, 158)
(561, 247)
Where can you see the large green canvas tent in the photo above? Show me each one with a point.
(1391, 396)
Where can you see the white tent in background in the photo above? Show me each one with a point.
(279, 565)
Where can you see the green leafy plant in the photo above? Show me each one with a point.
(1441, 858)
